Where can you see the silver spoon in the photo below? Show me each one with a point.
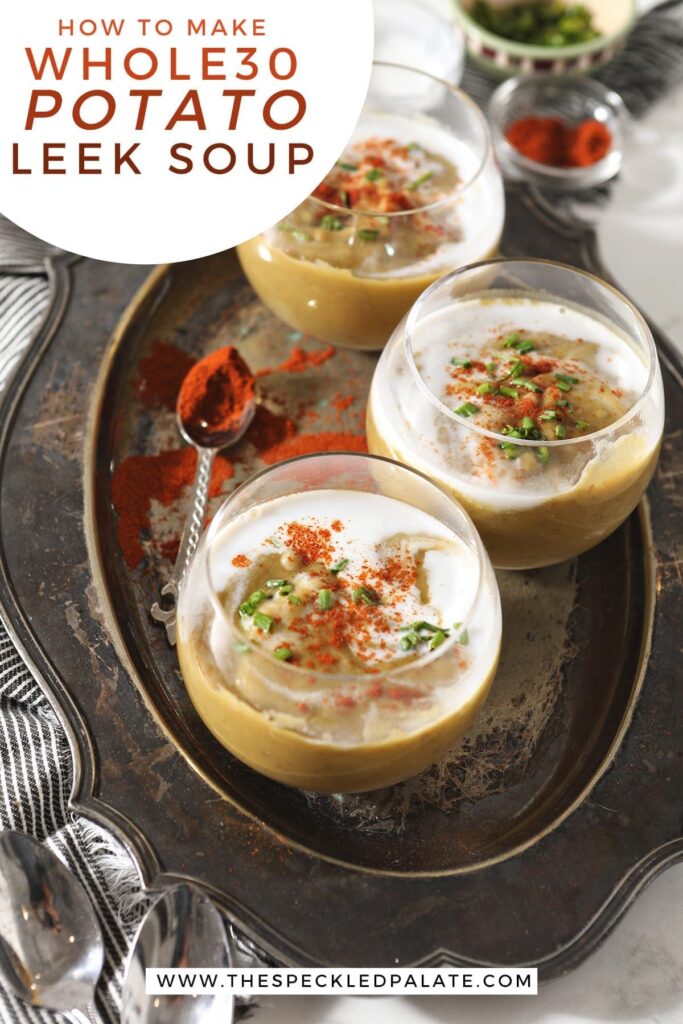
(51, 949)
(182, 929)
(207, 443)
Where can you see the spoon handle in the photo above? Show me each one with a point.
(87, 1015)
(188, 543)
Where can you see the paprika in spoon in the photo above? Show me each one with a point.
(216, 404)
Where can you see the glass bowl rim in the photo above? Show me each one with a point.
(477, 548)
(414, 315)
(461, 187)
(535, 50)
(587, 87)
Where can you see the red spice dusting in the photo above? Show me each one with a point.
(337, 525)
(343, 402)
(310, 544)
(161, 373)
(553, 142)
(216, 392)
(307, 444)
(342, 700)
(406, 694)
(299, 360)
(241, 562)
(142, 479)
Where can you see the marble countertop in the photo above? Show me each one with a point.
(637, 974)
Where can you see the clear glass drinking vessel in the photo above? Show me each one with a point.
(323, 730)
(536, 501)
(347, 269)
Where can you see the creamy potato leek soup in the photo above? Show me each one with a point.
(532, 392)
(416, 192)
(332, 635)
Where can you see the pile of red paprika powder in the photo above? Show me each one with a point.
(553, 142)
(141, 481)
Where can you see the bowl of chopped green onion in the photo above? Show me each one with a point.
(513, 37)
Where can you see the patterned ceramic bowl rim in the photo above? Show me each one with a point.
(550, 53)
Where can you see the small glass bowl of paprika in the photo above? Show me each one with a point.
(564, 133)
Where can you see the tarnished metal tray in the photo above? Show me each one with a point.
(523, 846)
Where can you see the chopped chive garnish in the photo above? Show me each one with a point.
(325, 600)
(363, 595)
(486, 389)
(339, 567)
(282, 653)
(286, 590)
(368, 234)
(525, 346)
(465, 363)
(509, 392)
(420, 181)
(301, 236)
(565, 404)
(491, 367)
(560, 432)
(582, 425)
(409, 642)
(511, 451)
(512, 431)
(543, 454)
(248, 607)
(563, 385)
(423, 626)
(293, 599)
(517, 369)
(348, 167)
(528, 423)
(511, 341)
(466, 409)
(275, 584)
(529, 385)
(464, 637)
(331, 223)
(263, 622)
(566, 379)
(343, 197)
(549, 415)
(373, 174)
(437, 640)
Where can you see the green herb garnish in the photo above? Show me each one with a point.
(363, 595)
(549, 415)
(464, 637)
(465, 363)
(373, 174)
(509, 392)
(511, 341)
(276, 584)
(325, 600)
(491, 367)
(263, 622)
(466, 409)
(409, 642)
(293, 599)
(511, 451)
(420, 181)
(339, 567)
(560, 432)
(248, 607)
(331, 223)
(566, 379)
(348, 167)
(563, 385)
(282, 653)
(529, 385)
(486, 389)
(368, 234)
(437, 639)
(525, 346)
(543, 454)
(582, 425)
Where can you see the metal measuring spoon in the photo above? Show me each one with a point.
(182, 929)
(207, 443)
(51, 949)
